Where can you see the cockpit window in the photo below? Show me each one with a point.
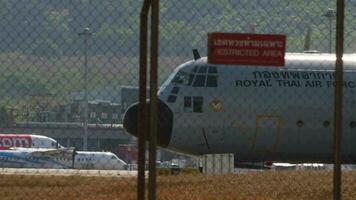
(212, 70)
(191, 77)
(199, 81)
(204, 76)
(202, 69)
(181, 78)
(195, 69)
(212, 81)
(200, 76)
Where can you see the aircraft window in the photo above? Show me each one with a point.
(212, 70)
(191, 77)
(180, 78)
(198, 104)
(172, 98)
(188, 104)
(202, 69)
(193, 106)
(104, 115)
(175, 90)
(113, 157)
(199, 81)
(115, 116)
(92, 114)
(212, 81)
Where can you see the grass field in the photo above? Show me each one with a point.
(254, 185)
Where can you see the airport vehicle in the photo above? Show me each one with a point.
(27, 141)
(63, 158)
(259, 113)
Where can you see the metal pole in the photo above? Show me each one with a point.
(338, 98)
(85, 142)
(142, 100)
(153, 100)
(330, 14)
(330, 34)
(86, 33)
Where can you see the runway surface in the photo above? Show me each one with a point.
(67, 172)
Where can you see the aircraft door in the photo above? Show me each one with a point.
(267, 133)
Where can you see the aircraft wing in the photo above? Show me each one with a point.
(62, 152)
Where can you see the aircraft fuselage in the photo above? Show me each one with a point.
(260, 113)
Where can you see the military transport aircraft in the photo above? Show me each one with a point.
(259, 113)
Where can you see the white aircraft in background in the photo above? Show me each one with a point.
(62, 158)
(259, 113)
(27, 141)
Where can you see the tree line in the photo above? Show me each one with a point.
(50, 28)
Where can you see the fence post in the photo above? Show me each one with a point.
(153, 100)
(142, 100)
(338, 98)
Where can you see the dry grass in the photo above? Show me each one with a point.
(255, 185)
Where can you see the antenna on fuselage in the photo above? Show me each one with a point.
(307, 42)
(307, 39)
(196, 54)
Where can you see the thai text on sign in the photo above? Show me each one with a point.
(247, 49)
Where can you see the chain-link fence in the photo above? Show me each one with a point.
(70, 71)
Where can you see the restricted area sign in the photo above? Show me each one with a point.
(246, 49)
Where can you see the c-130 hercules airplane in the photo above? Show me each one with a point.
(258, 113)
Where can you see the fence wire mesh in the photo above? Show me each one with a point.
(69, 72)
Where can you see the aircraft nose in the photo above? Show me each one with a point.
(164, 118)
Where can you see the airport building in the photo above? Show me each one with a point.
(105, 132)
